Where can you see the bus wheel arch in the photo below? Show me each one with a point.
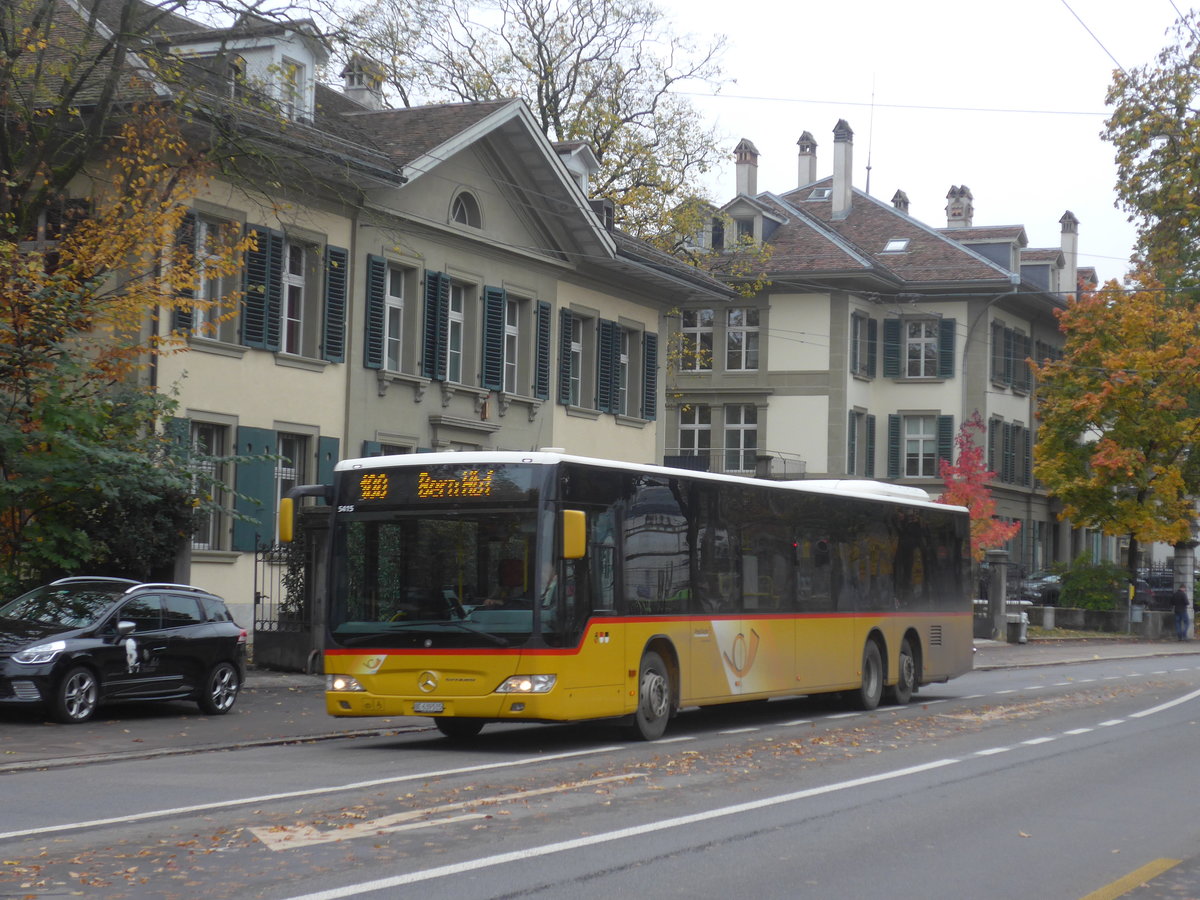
(908, 670)
(657, 690)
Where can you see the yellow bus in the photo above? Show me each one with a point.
(544, 587)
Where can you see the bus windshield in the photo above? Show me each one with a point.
(433, 579)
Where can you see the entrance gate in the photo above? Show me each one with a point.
(288, 622)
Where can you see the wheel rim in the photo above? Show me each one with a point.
(656, 694)
(79, 695)
(908, 670)
(224, 688)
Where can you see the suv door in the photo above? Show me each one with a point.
(136, 665)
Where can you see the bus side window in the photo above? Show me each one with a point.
(603, 554)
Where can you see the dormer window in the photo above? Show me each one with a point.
(292, 88)
(896, 245)
(745, 229)
(820, 194)
(465, 211)
(718, 234)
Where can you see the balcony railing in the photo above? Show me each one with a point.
(773, 464)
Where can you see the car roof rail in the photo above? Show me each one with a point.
(168, 585)
(75, 579)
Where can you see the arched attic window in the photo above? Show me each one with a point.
(465, 210)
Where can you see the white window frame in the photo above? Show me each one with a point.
(697, 340)
(920, 446)
(211, 439)
(921, 349)
(295, 297)
(623, 372)
(456, 332)
(695, 430)
(742, 357)
(576, 377)
(393, 317)
(512, 344)
(741, 437)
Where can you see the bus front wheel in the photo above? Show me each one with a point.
(868, 695)
(458, 729)
(654, 698)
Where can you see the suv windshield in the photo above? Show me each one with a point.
(456, 580)
(75, 605)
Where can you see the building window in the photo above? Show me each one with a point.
(576, 361)
(622, 406)
(862, 345)
(896, 245)
(393, 300)
(295, 278)
(292, 451)
(741, 437)
(860, 445)
(292, 89)
(921, 348)
(455, 333)
(465, 211)
(213, 316)
(695, 430)
(210, 442)
(718, 234)
(697, 345)
(741, 340)
(920, 446)
(512, 344)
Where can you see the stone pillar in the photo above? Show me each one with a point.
(998, 593)
(1185, 567)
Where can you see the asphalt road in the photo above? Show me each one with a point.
(1046, 780)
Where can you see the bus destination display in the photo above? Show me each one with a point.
(432, 484)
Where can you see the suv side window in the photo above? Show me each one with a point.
(144, 612)
(179, 610)
(215, 610)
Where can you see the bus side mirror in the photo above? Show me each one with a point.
(287, 519)
(574, 532)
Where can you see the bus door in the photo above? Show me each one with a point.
(826, 624)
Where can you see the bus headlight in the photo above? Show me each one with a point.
(527, 684)
(342, 683)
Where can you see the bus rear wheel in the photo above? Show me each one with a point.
(654, 698)
(458, 729)
(906, 680)
(868, 695)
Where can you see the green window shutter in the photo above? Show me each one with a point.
(1009, 338)
(947, 335)
(183, 317)
(894, 456)
(255, 487)
(1026, 457)
(336, 262)
(376, 313)
(891, 348)
(650, 376)
(851, 442)
(263, 289)
(372, 448)
(869, 460)
(494, 300)
(992, 439)
(1023, 377)
(541, 381)
(1006, 457)
(327, 457)
(179, 432)
(565, 318)
(437, 325)
(945, 438)
(606, 366)
(872, 347)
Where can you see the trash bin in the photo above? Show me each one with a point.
(1018, 628)
(1136, 612)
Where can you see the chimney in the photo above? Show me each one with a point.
(362, 82)
(843, 166)
(960, 212)
(745, 155)
(807, 169)
(1070, 252)
(900, 201)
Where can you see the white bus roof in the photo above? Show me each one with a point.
(840, 487)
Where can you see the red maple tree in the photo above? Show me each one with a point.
(967, 485)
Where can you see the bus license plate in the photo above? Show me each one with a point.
(429, 706)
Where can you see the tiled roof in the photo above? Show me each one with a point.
(1041, 254)
(816, 242)
(987, 233)
(408, 134)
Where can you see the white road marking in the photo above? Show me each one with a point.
(288, 795)
(1111, 722)
(1149, 712)
(396, 881)
(1034, 741)
(1078, 731)
(738, 731)
(992, 751)
(296, 837)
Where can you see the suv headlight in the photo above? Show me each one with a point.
(527, 684)
(42, 653)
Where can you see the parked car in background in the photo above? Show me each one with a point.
(1162, 586)
(1042, 589)
(78, 642)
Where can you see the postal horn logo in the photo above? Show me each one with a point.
(743, 653)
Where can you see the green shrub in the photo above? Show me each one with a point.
(1088, 585)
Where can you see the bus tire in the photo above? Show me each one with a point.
(868, 695)
(654, 698)
(458, 729)
(906, 679)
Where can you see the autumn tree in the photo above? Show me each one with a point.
(95, 172)
(966, 480)
(1120, 413)
(1154, 128)
(605, 72)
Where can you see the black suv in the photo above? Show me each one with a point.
(78, 642)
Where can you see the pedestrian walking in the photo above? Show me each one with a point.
(1179, 602)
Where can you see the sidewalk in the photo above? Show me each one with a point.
(284, 707)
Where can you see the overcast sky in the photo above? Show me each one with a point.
(1005, 98)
